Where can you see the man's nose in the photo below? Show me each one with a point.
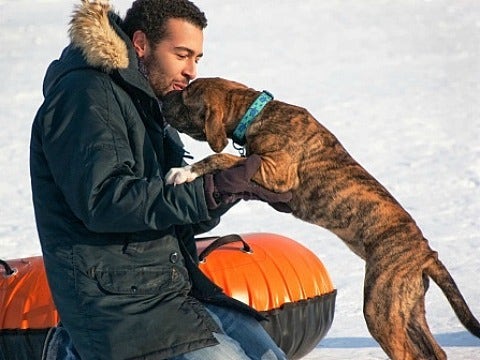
(190, 69)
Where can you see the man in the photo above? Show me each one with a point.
(117, 242)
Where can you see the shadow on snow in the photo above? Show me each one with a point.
(457, 339)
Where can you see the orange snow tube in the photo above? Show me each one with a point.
(279, 277)
(27, 311)
(275, 275)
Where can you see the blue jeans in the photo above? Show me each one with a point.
(243, 338)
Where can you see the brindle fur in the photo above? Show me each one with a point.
(332, 190)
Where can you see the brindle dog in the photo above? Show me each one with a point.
(332, 190)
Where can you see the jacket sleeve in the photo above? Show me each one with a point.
(87, 142)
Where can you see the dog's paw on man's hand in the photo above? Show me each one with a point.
(177, 176)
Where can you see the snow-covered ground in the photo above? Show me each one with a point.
(398, 82)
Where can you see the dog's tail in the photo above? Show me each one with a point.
(439, 273)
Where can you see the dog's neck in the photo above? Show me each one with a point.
(251, 108)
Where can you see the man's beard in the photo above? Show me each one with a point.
(147, 68)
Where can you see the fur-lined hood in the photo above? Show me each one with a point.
(92, 32)
(97, 41)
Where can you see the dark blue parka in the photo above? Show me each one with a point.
(110, 229)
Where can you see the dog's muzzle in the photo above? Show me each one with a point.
(177, 114)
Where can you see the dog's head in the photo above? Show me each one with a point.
(206, 109)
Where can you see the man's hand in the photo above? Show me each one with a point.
(229, 185)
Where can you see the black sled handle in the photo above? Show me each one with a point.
(223, 240)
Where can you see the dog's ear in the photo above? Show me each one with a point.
(215, 130)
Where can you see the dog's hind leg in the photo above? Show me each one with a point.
(394, 307)
(384, 321)
(419, 334)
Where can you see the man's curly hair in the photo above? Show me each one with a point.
(150, 16)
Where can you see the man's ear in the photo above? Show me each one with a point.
(215, 130)
(140, 43)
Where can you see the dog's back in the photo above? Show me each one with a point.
(333, 191)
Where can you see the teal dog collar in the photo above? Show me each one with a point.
(257, 106)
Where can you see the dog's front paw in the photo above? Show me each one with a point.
(181, 175)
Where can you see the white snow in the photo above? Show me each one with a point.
(398, 82)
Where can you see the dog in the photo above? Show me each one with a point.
(330, 189)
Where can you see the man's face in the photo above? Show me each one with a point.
(172, 63)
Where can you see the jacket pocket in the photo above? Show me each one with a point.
(142, 280)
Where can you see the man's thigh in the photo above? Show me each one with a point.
(247, 332)
(226, 349)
